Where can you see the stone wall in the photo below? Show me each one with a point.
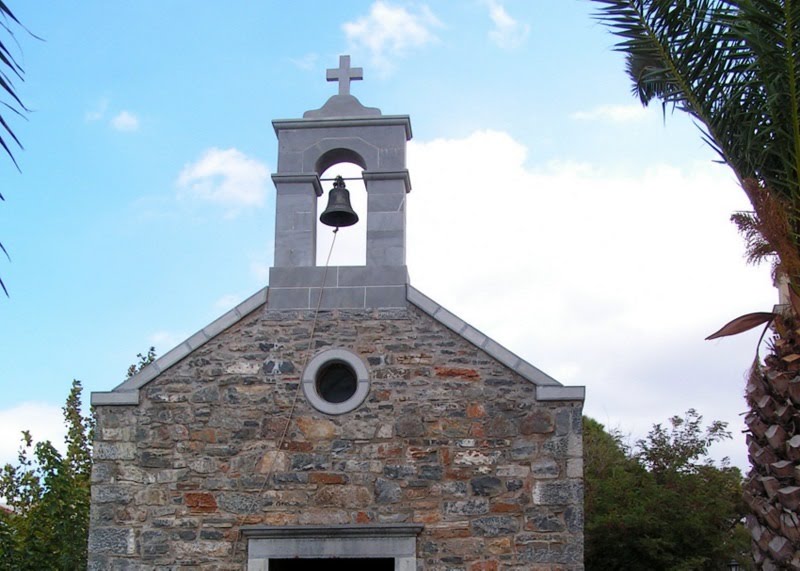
(447, 437)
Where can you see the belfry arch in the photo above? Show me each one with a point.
(342, 130)
(346, 246)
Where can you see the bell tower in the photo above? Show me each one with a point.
(342, 130)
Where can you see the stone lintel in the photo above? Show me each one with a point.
(339, 122)
(396, 541)
(366, 530)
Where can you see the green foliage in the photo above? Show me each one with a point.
(661, 505)
(144, 360)
(49, 495)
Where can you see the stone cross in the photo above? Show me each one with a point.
(345, 74)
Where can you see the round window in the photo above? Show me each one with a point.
(335, 381)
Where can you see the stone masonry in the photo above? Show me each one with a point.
(448, 437)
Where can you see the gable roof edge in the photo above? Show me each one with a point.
(547, 388)
(127, 392)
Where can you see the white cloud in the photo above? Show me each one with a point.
(226, 177)
(507, 32)
(125, 121)
(390, 31)
(613, 113)
(599, 278)
(44, 421)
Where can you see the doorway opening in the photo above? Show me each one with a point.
(337, 564)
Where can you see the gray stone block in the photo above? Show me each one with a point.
(289, 298)
(302, 277)
(339, 298)
(450, 320)
(372, 275)
(115, 398)
(472, 506)
(558, 493)
(117, 541)
(114, 450)
(500, 353)
(554, 393)
(381, 297)
(421, 300)
(387, 492)
(386, 221)
(494, 526)
(535, 375)
(392, 202)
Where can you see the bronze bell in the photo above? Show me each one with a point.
(339, 213)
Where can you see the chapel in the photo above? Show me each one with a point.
(338, 418)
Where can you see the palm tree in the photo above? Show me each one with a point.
(734, 67)
(10, 71)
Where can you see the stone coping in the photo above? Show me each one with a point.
(547, 388)
(338, 122)
(128, 391)
(333, 531)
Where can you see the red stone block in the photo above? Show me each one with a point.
(200, 502)
(457, 372)
(326, 478)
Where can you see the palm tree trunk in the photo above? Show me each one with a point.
(772, 489)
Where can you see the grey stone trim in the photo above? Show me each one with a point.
(370, 530)
(299, 178)
(388, 175)
(113, 398)
(346, 287)
(337, 276)
(318, 123)
(492, 347)
(560, 393)
(151, 371)
(328, 356)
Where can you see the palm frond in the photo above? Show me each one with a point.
(9, 69)
(734, 66)
(684, 54)
(757, 248)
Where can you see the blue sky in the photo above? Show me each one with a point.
(548, 208)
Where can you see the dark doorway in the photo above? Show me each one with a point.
(361, 564)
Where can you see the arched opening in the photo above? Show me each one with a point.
(351, 242)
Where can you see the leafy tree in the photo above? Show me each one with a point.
(661, 505)
(49, 495)
(734, 67)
